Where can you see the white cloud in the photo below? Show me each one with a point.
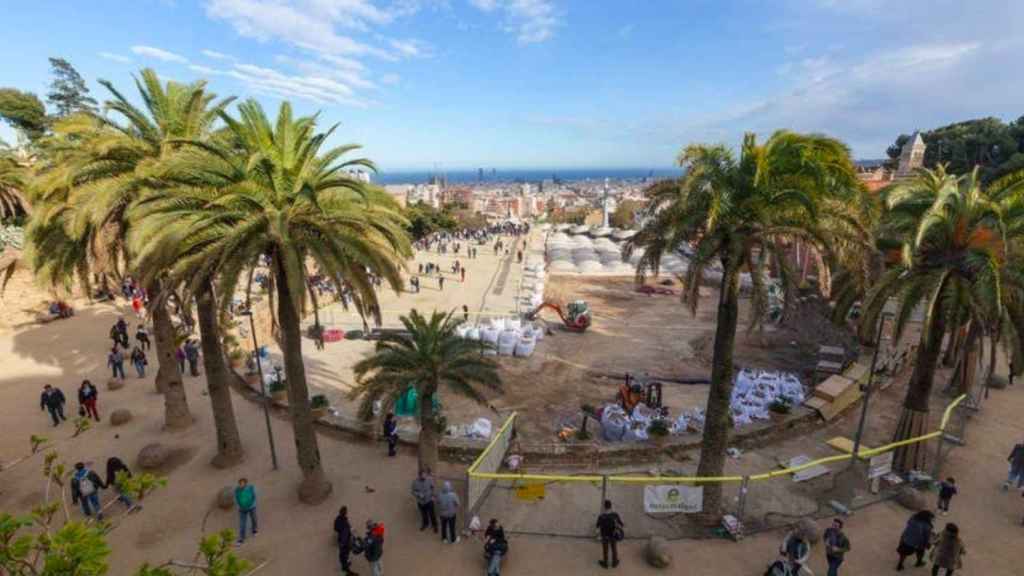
(313, 24)
(314, 88)
(115, 57)
(532, 21)
(390, 79)
(411, 48)
(206, 70)
(347, 76)
(159, 54)
(217, 55)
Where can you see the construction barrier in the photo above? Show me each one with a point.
(576, 499)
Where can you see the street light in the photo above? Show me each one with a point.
(263, 390)
(869, 388)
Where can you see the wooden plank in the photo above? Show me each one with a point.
(833, 387)
(829, 367)
(832, 351)
(857, 372)
(846, 399)
(844, 444)
(809, 473)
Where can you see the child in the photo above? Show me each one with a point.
(947, 489)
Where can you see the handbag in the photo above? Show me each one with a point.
(618, 534)
(81, 411)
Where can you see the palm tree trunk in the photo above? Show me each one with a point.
(956, 338)
(229, 442)
(913, 419)
(428, 433)
(314, 488)
(717, 420)
(168, 377)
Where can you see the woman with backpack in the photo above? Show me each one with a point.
(85, 488)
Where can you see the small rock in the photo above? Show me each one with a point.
(226, 498)
(810, 530)
(913, 500)
(120, 416)
(657, 553)
(115, 384)
(152, 456)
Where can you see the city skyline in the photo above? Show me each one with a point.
(552, 84)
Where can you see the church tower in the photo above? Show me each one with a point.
(911, 156)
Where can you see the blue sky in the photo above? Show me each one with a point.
(552, 83)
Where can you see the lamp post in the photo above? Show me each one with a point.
(869, 387)
(263, 385)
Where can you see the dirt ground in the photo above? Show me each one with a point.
(296, 539)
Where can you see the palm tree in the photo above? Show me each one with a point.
(13, 177)
(955, 237)
(108, 164)
(429, 356)
(740, 212)
(271, 190)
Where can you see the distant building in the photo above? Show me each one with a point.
(360, 175)
(911, 156)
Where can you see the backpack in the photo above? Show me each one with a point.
(85, 486)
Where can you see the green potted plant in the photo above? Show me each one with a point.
(278, 392)
(658, 430)
(319, 404)
(781, 406)
(235, 358)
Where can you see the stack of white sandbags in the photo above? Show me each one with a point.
(507, 336)
(755, 390)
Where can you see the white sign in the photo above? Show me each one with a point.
(880, 465)
(673, 499)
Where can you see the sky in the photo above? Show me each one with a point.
(461, 84)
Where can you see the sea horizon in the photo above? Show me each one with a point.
(471, 176)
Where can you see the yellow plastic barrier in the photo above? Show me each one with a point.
(862, 454)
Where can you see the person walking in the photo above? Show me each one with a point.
(795, 549)
(495, 548)
(391, 432)
(138, 359)
(423, 492)
(52, 400)
(343, 530)
(916, 537)
(115, 361)
(440, 281)
(1016, 460)
(948, 553)
(142, 337)
(462, 271)
(947, 489)
(448, 508)
(374, 547)
(179, 354)
(87, 397)
(245, 498)
(122, 332)
(116, 468)
(192, 355)
(610, 528)
(465, 313)
(836, 546)
(85, 488)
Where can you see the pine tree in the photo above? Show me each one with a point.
(68, 92)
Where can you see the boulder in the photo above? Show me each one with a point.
(115, 384)
(997, 382)
(913, 500)
(120, 416)
(226, 498)
(810, 530)
(153, 456)
(657, 553)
